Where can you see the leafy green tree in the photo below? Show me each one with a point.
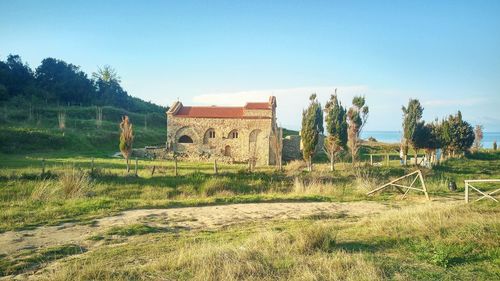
(336, 127)
(16, 76)
(457, 135)
(433, 141)
(412, 114)
(126, 139)
(421, 138)
(66, 82)
(357, 115)
(56, 82)
(4, 93)
(312, 127)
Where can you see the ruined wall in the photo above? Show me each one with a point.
(253, 138)
(292, 148)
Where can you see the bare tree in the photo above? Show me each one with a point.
(126, 139)
(98, 116)
(356, 120)
(61, 118)
(478, 138)
(277, 143)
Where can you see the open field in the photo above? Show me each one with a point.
(109, 218)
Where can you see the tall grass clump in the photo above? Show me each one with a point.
(43, 191)
(71, 184)
(75, 184)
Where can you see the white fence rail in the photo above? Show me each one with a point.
(468, 184)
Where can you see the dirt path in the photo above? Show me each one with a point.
(191, 218)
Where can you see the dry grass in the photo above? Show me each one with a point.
(425, 238)
(365, 180)
(72, 184)
(298, 254)
(295, 167)
(43, 191)
(313, 186)
(434, 220)
(217, 186)
(75, 184)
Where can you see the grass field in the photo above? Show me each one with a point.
(412, 241)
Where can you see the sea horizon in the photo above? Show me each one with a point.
(395, 137)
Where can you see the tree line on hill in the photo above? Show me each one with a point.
(451, 135)
(56, 82)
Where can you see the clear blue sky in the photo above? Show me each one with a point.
(446, 53)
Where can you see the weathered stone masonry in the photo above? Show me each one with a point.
(235, 133)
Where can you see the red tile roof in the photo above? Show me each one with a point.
(178, 110)
(257, 105)
(210, 112)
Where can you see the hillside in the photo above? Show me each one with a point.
(32, 101)
(22, 132)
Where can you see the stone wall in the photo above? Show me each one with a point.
(292, 149)
(253, 138)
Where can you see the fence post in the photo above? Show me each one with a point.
(43, 166)
(92, 165)
(136, 166)
(215, 166)
(387, 158)
(175, 166)
(371, 159)
(466, 192)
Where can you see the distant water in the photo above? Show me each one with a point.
(395, 137)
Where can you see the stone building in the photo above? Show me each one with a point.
(238, 134)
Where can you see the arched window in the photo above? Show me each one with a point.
(233, 134)
(254, 134)
(185, 139)
(209, 134)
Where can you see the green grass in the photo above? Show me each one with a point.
(134, 229)
(448, 242)
(19, 134)
(112, 190)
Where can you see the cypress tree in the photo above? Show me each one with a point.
(312, 127)
(336, 127)
(412, 114)
(356, 120)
